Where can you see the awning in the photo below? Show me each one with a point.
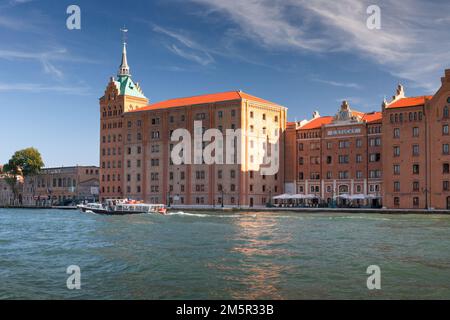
(343, 196)
(358, 197)
(283, 197)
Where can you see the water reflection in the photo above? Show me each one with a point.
(260, 243)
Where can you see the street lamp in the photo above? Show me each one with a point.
(168, 199)
(270, 197)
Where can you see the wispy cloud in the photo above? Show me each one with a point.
(37, 88)
(45, 58)
(186, 48)
(338, 84)
(413, 43)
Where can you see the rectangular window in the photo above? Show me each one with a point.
(396, 186)
(397, 133)
(359, 143)
(359, 158)
(416, 169)
(445, 168)
(445, 130)
(344, 144)
(396, 201)
(445, 149)
(343, 159)
(396, 169)
(374, 157)
(415, 132)
(396, 151)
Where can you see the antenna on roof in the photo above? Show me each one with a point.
(124, 34)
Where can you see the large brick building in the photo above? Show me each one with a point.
(135, 147)
(416, 161)
(396, 158)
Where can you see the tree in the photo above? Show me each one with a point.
(23, 163)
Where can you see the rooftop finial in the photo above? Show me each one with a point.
(124, 69)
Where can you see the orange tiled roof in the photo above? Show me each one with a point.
(202, 99)
(409, 102)
(372, 117)
(317, 123)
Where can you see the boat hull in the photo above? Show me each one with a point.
(116, 212)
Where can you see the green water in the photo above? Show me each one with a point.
(223, 255)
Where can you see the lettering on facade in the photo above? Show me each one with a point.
(341, 132)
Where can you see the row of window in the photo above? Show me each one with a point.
(416, 186)
(112, 125)
(416, 150)
(342, 159)
(411, 116)
(415, 201)
(343, 189)
(373, 174)
(58, 183)
(342, 144)
(415, 169)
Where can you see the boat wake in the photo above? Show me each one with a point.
(181, 213)
(204, 215)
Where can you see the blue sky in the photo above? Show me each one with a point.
(305, 55)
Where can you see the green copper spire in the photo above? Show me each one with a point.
(124, 69)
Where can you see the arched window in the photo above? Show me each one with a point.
(343, 189)
(445, 114)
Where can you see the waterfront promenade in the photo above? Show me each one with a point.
(267, 209)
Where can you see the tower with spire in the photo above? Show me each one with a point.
(121, 96)
(124, 69)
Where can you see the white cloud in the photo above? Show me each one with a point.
(338, 84)
(186, 47)
(412, 44)
(45, 58)
(37, 88)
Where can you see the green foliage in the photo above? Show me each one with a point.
(26, 162)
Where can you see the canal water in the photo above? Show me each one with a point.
(223, 255)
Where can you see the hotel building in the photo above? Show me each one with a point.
(135, 146)
(339, 157)
(396, 158)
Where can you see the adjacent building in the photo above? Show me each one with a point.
(62, 186)
(7, 197)
(416, 161)
(338, 159)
